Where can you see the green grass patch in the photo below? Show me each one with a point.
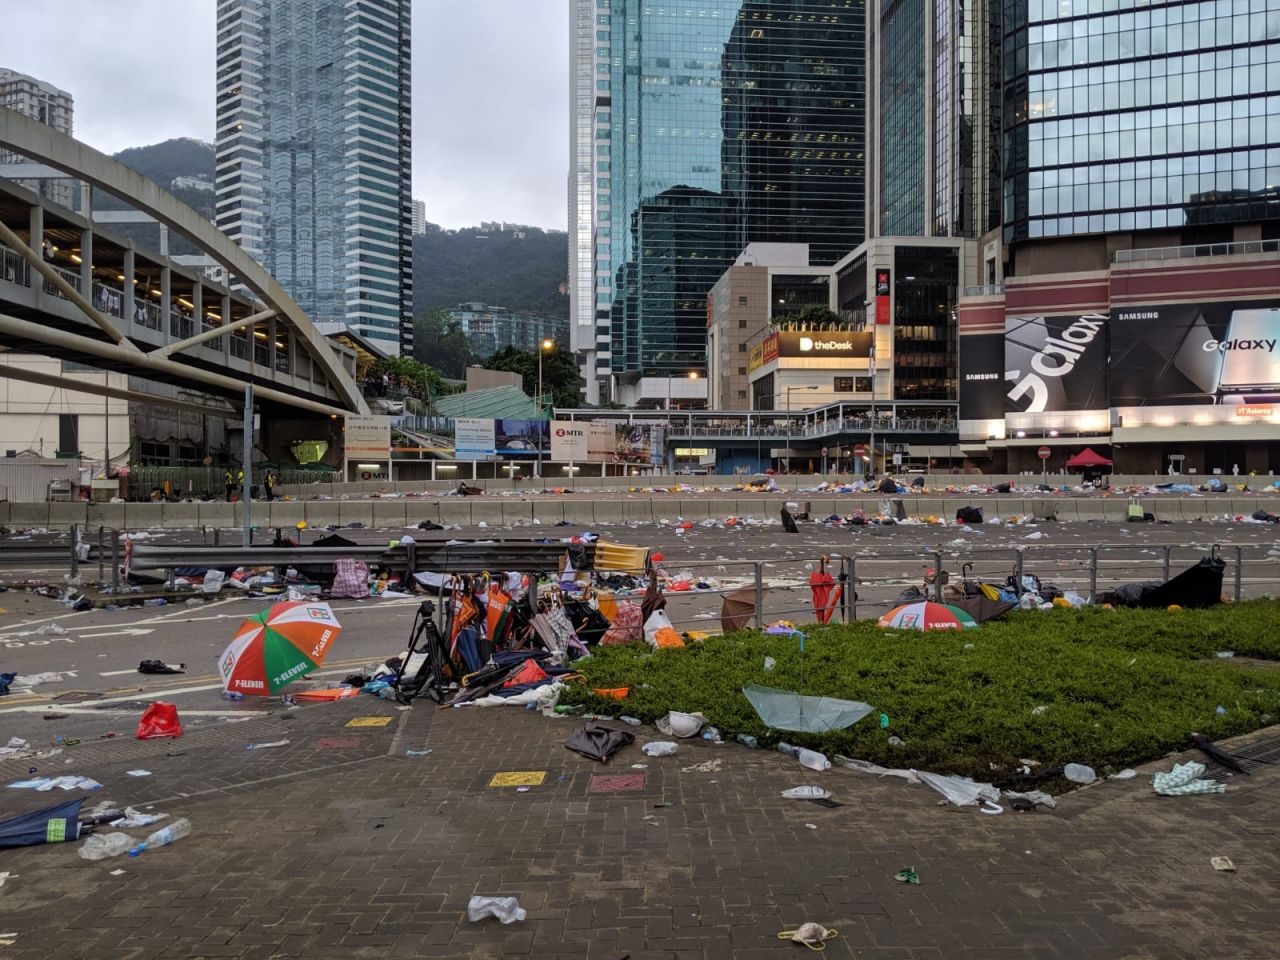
(1120, 686)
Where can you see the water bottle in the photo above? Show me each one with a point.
(711, 734)
(788, 749)
(164, 836)
(630, 721)
(101, 846)
(813, 760)
(747, 740)
(154, 602)
(232, 695)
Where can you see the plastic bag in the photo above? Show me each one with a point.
(506, 909)
(159, 720)
(1079, 773)
(806, 793)
(660, 748)
(213, 581)
(961, 791)
(659, 632)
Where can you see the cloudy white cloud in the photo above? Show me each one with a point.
(490, 91)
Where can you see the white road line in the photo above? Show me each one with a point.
(116, 673)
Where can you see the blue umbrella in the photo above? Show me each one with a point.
(50, 825)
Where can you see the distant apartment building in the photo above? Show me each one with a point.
(490, 329)
(313, 156)
(44, 102)
(419, 218)
(199, 184)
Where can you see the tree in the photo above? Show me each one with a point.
(560, 376)
(414, 378)
(812, 317)
(440, 343)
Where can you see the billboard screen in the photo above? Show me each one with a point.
(639, 443)
(1055, 364)
(982, 376)
(1188, 353)
(520, 438)
(822, 344)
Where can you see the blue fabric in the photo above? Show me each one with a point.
(469, 650)
(50, 825)
(5, 680)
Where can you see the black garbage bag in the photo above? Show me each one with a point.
(888, 485)
(429, 525)
(789, 522)
(1003, 488)
(1131, 594)
(918, 482)
(1198, 586)
(1268, 517)
(911, 595)
(969, 514)
(159, 666)
(598, 743)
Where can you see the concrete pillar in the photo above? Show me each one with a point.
(166, 303)
(271, 345)
(197, 305)
(127, 287)
(36, 241)
(86, 265)
(225, 339)
(164, 242)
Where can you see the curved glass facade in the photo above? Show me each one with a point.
(1121, 115)
(732, 121)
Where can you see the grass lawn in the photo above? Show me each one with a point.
(1120, 686)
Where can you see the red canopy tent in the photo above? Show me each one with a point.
(1088, 459)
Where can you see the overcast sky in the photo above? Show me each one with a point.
(490, 91)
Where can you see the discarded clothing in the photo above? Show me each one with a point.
(1183, 780)
(160, 667)
(598, 743)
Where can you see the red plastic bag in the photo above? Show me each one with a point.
(159, 720)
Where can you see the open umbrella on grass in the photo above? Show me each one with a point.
(788, 710)
(926, 615)
(277, 646)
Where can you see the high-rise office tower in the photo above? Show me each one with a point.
(1122, 118)
(934, 96)
(728, 122)
(313, 155)
(44, 102)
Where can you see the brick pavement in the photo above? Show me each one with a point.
(364, 851)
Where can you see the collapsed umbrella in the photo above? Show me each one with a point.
(820, 583)
(927, 615)
(50, 825)
(277, 646)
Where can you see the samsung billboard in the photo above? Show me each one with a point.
(1186, 353)
(1055, 364)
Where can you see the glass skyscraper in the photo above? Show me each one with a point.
(313, 155)
(935, 126)
(1124, 116)
(727, 122)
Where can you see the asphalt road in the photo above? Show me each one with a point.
(99, 650)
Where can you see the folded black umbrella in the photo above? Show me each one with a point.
(598, 743)
(51, 825)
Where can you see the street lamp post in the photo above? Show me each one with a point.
(692, 375)
(542, 348)
(871, 443)
(789, 389)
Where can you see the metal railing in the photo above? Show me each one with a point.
(108, 300)
(985, 290)
(70, 276)
(13, 268)
(146, 314)
(1190, 251)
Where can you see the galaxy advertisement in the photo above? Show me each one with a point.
(1055, 364)
(1224, 353)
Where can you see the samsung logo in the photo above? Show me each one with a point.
(1151, 315)
(982, 376)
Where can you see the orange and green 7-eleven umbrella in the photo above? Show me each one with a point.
(277, 646)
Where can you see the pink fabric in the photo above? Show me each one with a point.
(351, 578)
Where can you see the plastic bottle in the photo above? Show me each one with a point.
(154, 602)
(101, 846)
(566, 708)
(711, 734)
(747, 740)
(813, 760)
(630, 721)
(164, 836)
(232, 695)
(788, 749)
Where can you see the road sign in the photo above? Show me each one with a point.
(1044, 453)
(897, 459)
(824, 451)
(860, 450)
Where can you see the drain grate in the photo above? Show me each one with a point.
(1253, 756)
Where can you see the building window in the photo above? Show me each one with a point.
(862, 384)
(843, 385)
(154, 454)
(742, 301)
(742, 348)
(742, 371)
(68, 433)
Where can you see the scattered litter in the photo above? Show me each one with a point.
(1029, 800)
(1225, 654)
(683, 725)
(139, 773)
(1126, 774)
(1040, 711)
(505, 909)
(6, 875)
(907, 875)
(159, 720)
(708, 766)
(769, 664)
(660, 748)
(1223, 864)
(522, 789)
(806, 793)
(1079, 773)
(45, 784)
(1183, 780)
(136, 818)
(103, 846)
(811, 826)
(117, 872)
(160, 667)
(416, 753)
(639, 766)
(961, 791)
(992, 809)
(264, 746)
(812, 935)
